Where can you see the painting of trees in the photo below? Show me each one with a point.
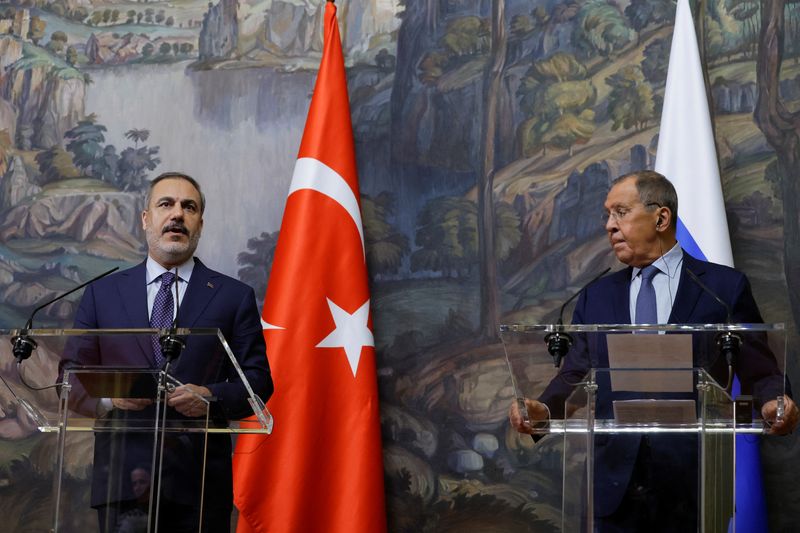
(447, 236)
(493, 93)
(644, 13)
(781, 127)
(600, 29)
(257, 262)
(630, 103)
(557, 95)
(85, 142)
(386, 245)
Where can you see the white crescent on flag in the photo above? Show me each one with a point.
(312, 174)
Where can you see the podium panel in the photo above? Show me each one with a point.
(643, 402)
(135, 447)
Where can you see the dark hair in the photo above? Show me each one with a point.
(655, 190)
(178, 176)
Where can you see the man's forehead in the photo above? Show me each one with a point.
(175, 189)
(622, 194)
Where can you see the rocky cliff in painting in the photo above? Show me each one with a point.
(219, 36)
(46, 94)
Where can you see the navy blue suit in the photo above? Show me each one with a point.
(606, 301)
(212, 300)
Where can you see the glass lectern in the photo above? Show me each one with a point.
(663, 383)
(116, 443)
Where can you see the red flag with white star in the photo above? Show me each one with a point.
(322, 468)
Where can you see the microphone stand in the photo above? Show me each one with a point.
(23, 344)
(171, 343)
(559, 342)
(171, 347)
(729, 343)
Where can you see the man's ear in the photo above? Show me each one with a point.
(664, 218)
(144, 219)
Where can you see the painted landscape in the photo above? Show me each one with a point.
(487, 133)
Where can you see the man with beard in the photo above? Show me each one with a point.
(649, 482)
(142, 297)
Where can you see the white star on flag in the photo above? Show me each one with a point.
(351, 332)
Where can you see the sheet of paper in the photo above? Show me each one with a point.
(643, 351)
(655, 411)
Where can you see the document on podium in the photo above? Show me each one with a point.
(668, 356)
(634, 355)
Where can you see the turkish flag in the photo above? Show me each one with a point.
(322, 468)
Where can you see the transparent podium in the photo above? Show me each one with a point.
(134, 448)
(669, 386)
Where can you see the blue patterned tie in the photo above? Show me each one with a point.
(161, 316)
(646, 309)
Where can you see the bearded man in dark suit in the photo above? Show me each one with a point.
(173, 222)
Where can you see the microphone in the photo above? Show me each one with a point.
(171, 344)
(559, 342)
(728, 311)
(728, 342)
(23, 344)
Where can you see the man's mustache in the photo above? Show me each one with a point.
(176, 226)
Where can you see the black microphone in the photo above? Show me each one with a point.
(728, 311)
(559, 342)
(23, 343)
(171, 344)
(728, 342)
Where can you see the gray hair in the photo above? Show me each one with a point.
(654, 190)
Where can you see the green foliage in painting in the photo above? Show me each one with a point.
(630, 103)
(386, 246)
(557, 96)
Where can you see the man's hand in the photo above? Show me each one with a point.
(769, 412)
(187, 400)
(131, 404)
(537, 412)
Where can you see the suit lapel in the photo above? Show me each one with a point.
(133, 296)
(203, 286)
(689, 291)
(621, 296)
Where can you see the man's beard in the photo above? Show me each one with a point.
(173, 249)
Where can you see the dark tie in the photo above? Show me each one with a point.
(161, 315)
(646, 308)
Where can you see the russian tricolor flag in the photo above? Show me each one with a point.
(687, 156)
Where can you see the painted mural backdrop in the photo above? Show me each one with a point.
(487, 134)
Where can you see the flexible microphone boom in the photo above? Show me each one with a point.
(23, 343)
(728, 342)
(559, 342)
(172, 344)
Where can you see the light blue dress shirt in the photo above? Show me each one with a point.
(665, 282)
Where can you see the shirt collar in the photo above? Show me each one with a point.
(154, 270)
(668, 264)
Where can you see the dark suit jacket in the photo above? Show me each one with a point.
(606, 301)
(212, 300)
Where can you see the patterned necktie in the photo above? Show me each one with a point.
(646, 309)
(161, 315)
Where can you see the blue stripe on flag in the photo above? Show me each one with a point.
(688, 243)
(751, 504)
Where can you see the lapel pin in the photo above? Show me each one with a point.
(210, 285)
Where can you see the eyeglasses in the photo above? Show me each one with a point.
(619, 212)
